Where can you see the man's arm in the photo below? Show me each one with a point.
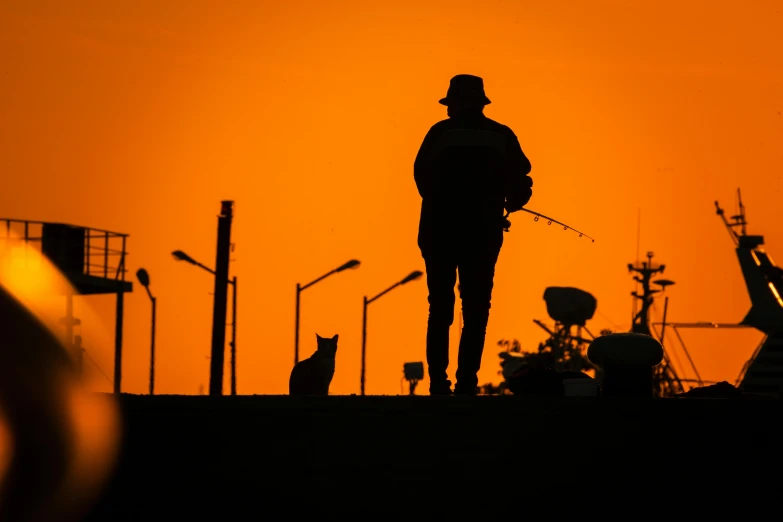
(520, 165)
(423, 172)
(519, 184)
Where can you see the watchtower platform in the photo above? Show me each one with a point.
(90, 259)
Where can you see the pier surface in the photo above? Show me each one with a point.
(436, 458)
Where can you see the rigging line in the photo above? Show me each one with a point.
(97, 366)
(666, 353)
(624, 327)
(654, 309)
(682, 343)
(608, 320)
(589, 332)
(673, 351)
(671, 372)
(747, 364)
(687, 353)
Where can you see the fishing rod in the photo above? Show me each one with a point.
(537, 216)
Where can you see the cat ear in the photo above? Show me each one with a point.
(318, 337)
(335, 337)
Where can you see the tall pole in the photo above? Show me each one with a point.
(234, 336)
(364, 341)
(410, 277)
(663, 325)
(152, 347)
(118, 342)
(353, 263)
(296, 337)
(220, 299)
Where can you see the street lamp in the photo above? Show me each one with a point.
(353, 263)
(179, 255)
(144, 279)
(410, 277)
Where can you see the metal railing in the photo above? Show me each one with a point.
(101, 247)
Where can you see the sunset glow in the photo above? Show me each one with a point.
(141, 116)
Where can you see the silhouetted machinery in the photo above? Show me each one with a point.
(569, 306)
(85, 258)
(565, 348)
(413, 372)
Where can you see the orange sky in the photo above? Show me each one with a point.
(140, 117)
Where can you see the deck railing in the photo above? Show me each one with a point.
(104, 251)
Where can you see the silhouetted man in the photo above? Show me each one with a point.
(468, 169)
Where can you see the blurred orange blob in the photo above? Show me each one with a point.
(6, 448)
(58, 442)
(94, 420)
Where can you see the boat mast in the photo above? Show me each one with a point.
(666, 381)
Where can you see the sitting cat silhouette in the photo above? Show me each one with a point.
(312, 376)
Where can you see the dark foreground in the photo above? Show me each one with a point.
(443, 458)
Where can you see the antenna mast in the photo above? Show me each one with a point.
(638, 238)
(737, 220)
(665, 380)
(741, 216)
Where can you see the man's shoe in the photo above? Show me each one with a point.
(465, 391)
(443, 388)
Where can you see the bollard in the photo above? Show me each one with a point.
(627, 361)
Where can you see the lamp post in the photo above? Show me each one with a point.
(179, 255)
(410, 277)
(233, 343)
(353, 263)
(144, 279)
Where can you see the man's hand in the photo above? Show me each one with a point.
(519, 194)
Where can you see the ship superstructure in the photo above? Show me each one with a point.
(763, 373)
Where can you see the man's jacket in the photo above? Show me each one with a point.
(465, 169)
